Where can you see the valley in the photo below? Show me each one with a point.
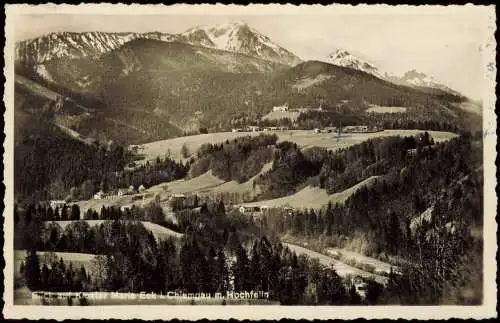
(215, 160)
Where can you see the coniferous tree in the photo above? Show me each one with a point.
(44, 277)
(32, 271)
(223, 272)
(64, 213)
(75, 212)
(241, 270)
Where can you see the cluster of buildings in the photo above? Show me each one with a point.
(120, 192)
(325, 130)
(349, 129)
(57, 203)
(282, 108)
(258, 129)
(258, 210)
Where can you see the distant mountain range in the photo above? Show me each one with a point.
(235, 37)
(342, 57)
(149, 86)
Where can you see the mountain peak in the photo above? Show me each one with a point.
(237, 36)
(342, 57)
(419, 79)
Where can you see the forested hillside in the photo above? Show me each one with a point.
(239, 159)
(146, 92)
(424, 213)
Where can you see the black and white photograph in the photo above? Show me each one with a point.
(268, 160)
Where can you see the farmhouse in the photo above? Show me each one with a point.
(57, 203)
(245, 209)
(177, 197)
(330, 129)
(253, 128)
(360, 286)
(123, 191)
(99, 195)
(362, 128)
(282, 108)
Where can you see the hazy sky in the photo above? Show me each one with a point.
(444, 43)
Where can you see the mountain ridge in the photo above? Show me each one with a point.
(411, 78)
(237, 37)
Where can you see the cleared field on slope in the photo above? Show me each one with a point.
(240, 188)
(307, 139)
(342, 269)
(196, 184)
(303, 138)
(313, 197)
(193, 143)
(158, 231)
(276, 115)
(77, 259)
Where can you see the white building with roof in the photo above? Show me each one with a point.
(281, 108)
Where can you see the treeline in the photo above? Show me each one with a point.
(242, 121)
(33, 229)
(341, 117)
(152, 173)
(239, 159)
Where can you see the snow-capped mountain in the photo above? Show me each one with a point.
(235, 37)
(239, 37)
(418, 79)
(411, 78)
(76, 45)
(341, 57)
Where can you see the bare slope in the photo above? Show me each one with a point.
(313, 197)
